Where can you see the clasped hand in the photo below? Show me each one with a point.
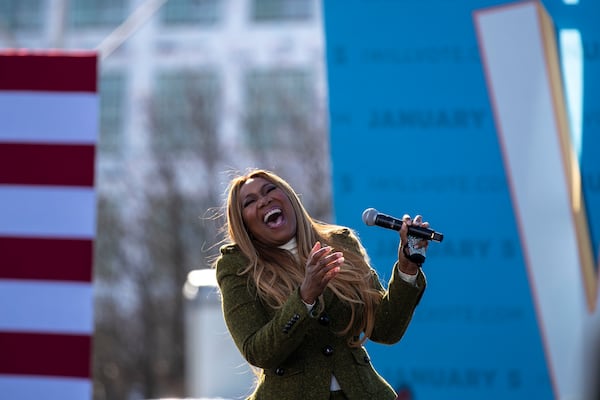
(405, 265)
(322, 266)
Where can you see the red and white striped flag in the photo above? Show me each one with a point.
(48, 134)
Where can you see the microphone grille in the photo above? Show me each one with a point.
(369, 216)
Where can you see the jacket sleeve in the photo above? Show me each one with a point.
(264, 339)
(397, 307)
(399, 301)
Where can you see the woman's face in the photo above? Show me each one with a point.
(267, 212)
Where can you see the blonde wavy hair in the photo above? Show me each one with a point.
(276, 273)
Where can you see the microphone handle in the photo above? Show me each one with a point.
(425, 233)
(393, 223)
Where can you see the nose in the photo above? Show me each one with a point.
(263, 200)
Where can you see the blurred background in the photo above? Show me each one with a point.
(190, 90)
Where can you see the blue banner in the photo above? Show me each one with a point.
(412, 131)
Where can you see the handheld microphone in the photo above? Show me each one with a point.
(373, 217)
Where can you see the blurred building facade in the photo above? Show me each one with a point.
(237, 50)
(258, 67)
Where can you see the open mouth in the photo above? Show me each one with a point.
(274, 218)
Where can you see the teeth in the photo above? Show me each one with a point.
(271, 212)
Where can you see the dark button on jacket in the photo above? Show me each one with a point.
(328, 351)
(324, 320)
(290, 323)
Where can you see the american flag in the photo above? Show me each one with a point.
(48, 134)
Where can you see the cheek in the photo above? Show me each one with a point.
(248, 217)
(245, 217)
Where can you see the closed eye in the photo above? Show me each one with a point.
(247, 202)
(270, 188)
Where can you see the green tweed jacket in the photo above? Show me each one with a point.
(298, 350)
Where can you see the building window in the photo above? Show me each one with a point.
(278, 10)
(279, 103)
(183, 12)
(21, 15)
(185, 109)
(97, 13)
(112, 109)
